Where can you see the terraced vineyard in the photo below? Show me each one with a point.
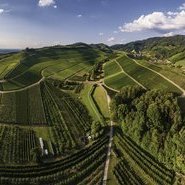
(140, 74)
(56, 123)
(115, 77)
(57, 62)
(124, 69)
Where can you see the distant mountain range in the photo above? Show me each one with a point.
(160, 47)
(4, 51)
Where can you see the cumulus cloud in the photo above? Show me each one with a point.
(1, 11)
(55, 6)
(158, 21)
(111, 39)
(182, 7)
(43, 3)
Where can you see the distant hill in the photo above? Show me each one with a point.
(160, 47)
(5, 51)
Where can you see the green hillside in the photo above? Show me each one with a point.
(87, 114)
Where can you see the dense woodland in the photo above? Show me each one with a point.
(153, 120)
(160, 47)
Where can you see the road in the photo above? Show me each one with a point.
(183, 91)
(106, 169)
(24, 88)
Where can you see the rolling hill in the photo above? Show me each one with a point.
(85, 114)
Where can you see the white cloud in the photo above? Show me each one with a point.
(55, 6)
(1, 11)
(111, 39)
(79, 16)
(182, 7)
(158, 21)
(101, 34)
(43, 3)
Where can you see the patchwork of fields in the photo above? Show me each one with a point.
(59, 63)
(117, 79)
(46, 127)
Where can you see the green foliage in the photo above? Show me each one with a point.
(153, 119)
(160, 47)
(96, 129)
(137, 166)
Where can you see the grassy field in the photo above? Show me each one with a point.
(100, 98)
(87, 99)
(146, 77)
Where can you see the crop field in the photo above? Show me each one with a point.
(115, 77)
(8, 62)
(84, 167)
(146, 77)
(118, 81)
(24, 107)
(48, 62)
(173, 74)
(111, 68)
(68, 119)
(79, 68)
(136, 166)
(57, 126)
(16, 145)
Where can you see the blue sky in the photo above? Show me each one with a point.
(37, 23)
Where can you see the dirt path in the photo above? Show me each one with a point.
(130, 76)
(183, 91)
(24, 88)
(106, 169)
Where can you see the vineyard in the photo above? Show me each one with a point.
(68, 118)
(84, 167)
(141, 74)
(141, 167)
(17, 145)
(24, 107)
(58, 126)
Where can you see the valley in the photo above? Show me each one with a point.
(92, 114)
